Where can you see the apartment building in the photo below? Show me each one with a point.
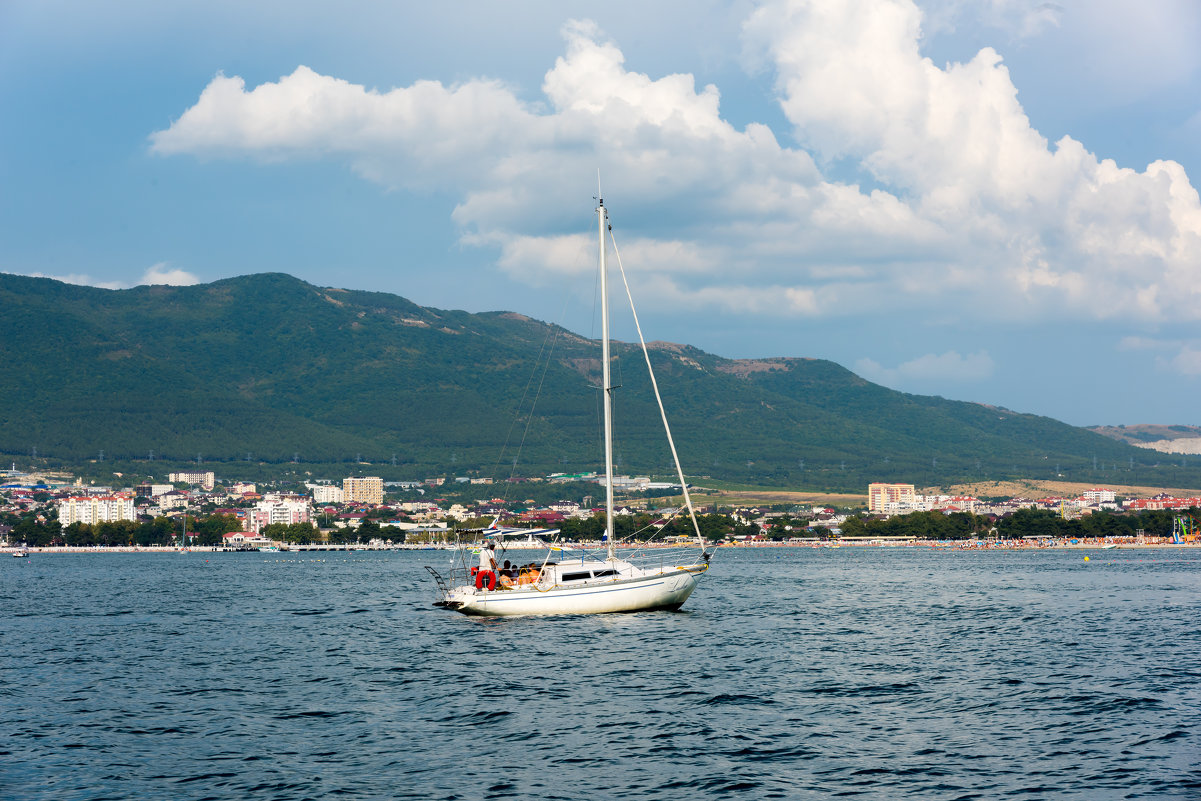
(369, 489)
(95, 509)
(204, 478)
(889, 497)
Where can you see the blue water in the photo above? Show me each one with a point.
(790, 673)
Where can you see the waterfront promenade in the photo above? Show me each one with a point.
(1029, 544)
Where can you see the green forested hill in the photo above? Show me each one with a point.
(277, 369)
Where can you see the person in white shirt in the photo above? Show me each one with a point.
(487, 572)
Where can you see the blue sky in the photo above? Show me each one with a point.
(992, 200)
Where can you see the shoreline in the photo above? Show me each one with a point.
(931, 545)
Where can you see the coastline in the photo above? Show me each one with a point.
(931, 545)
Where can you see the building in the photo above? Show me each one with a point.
(880, 497)
(369, 489)
(175, 499)
(95, 509)
(326, 493)
(286, 509)
(148, 490)
(204, 478)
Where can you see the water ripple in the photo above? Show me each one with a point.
(863, 673)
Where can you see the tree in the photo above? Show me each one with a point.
(301, 533)
(854, 527)
(79, 535)
(209, 530)
(38, 534)
(368, 530)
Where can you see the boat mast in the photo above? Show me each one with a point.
(606, 385)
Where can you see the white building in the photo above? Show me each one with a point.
(175, 499)
(1099, 495)
(635, 483)
(95, 509)
(326, 493)
(204, 478)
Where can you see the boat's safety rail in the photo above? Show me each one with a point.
(662, 558)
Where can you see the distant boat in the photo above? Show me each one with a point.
(21, 554)
(1109, 547)
(563, 584)
(530, 543)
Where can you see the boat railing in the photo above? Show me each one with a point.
(663, 558)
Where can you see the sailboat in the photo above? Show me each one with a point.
(563, 583)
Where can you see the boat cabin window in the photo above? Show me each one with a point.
(587, 574)
(575, 576)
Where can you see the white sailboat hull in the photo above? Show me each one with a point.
(666, 590)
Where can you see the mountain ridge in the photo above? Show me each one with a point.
(275, 368)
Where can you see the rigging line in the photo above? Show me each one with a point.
(666, 524)
(538, 394)
(520, 403)
(655, 384)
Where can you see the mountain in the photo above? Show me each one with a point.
(270, 368)
(1165, 439)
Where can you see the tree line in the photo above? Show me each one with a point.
(1022, 523)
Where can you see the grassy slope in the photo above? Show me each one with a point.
(273, 366)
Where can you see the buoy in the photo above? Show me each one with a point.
(1086, 558)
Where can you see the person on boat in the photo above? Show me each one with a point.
(487, 572)
(508, 573)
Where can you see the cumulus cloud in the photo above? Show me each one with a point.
(1022, 19)
(160, 273)
(163, 273)
(970, 206)
(951, 366)
(1043, 223)
(1180, 357)
(1186, 361)
(80, 279)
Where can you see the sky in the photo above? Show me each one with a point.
(993, 201)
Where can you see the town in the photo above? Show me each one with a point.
(54, 510)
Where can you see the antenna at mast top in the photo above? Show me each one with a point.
(600, 199)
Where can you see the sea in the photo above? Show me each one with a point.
(873, 673)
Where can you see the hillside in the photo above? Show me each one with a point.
(270, 368)
(1165, 439)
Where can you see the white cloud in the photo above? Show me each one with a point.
(1021, 18)
(80, 279)
(162, 273)
(1044, 224)
(1176, 356)
(1186, 361)
(1139, 343)
(973, 209)
(942, 367)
